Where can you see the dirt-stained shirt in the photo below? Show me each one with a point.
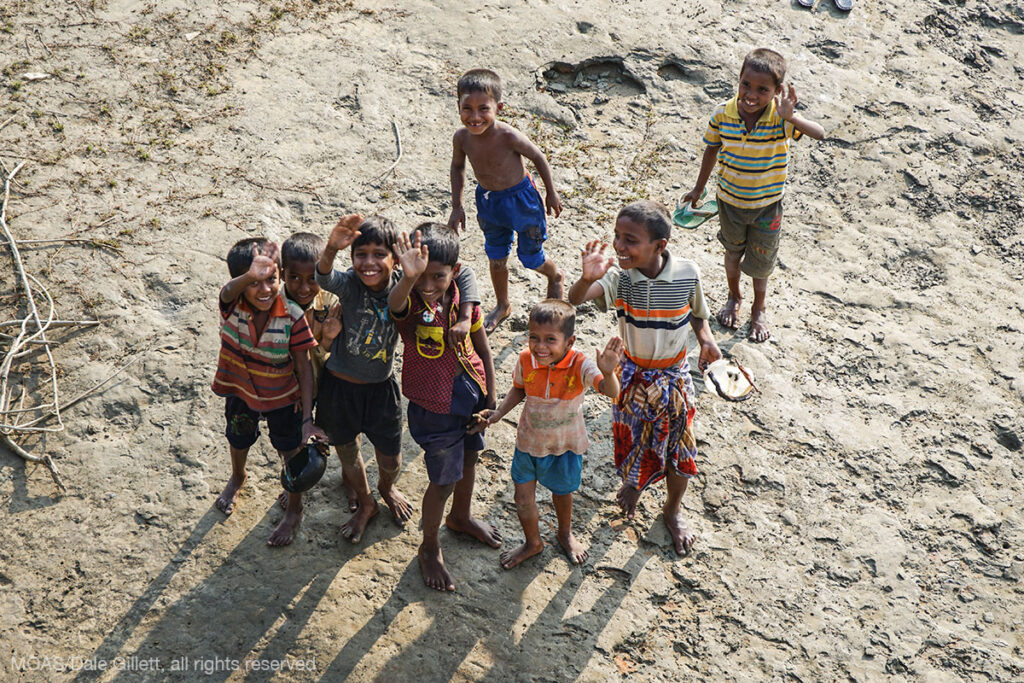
(552, 419)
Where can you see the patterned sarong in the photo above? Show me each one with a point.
(654, 424)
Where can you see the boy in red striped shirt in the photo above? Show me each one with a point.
(263, 370)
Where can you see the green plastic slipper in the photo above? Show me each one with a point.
(844, 5)
(685, 216)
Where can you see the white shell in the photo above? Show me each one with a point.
(725, 378)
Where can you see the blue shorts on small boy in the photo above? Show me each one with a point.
(503, 214)
(560, 474)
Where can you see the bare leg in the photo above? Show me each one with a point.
(574, 550)
(526, 508)
(627, 498)
(549, 270)
(389, 467)
(435, 573)
(226, 500)
(354, 472)
(499, 280)
(729, 315)
(460, 519)
(289, 525)
(759, 331)
(681, 533)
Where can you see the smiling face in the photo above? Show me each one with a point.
(756, 91)
(435, 280)
(635, 248)
(300, 282)
(373, 264)
(260, 295)
(478, 111)
(548, 342)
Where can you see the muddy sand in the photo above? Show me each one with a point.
(859, 519)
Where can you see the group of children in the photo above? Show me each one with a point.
(328, 337)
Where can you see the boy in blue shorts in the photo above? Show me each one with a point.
(446, 384)
(507, 202)
(749, 138)
(263, 371)
(658, 299)
(552, 436)
(358, 393)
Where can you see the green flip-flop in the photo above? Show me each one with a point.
(685, 216)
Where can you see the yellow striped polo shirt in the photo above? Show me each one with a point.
(751, 166)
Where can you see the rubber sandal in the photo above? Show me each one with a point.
(685, 216)
(728, 379)
(805, 3)
(844, 5)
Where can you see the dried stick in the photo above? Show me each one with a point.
(398, 143)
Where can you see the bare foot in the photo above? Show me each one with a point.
(681, 533)
(435, 573)
(399, 505)
(627, 497)
(355, 526)
(353, 497)
(574, 550)
(495, 317)
(510, 558)
(226, 500)
(729, 316)
(555, 286)
(485, 532)
(285, 531)
(759, 331)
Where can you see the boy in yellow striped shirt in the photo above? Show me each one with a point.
(749, 138)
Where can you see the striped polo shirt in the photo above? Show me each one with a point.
(654, 313)
(261, 371)
(751, 166)
(552, 420)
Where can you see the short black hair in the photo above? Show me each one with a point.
(766, 61)
(442, 243)
(652, 215)
(480, 80)
(377, 230)
(241, 254)
(555, 311)
(301, 247)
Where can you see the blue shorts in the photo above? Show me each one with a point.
(503, 214)
(560, 474)
(443, 438)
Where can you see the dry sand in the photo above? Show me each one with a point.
(859, 519)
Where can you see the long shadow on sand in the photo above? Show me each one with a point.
(234, 608)
(485, 609)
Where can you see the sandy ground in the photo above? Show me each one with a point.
(859, 519)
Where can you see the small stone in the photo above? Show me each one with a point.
(789, 518)
(988, 618)
(556, 87)
(869, 652)
(975, 249)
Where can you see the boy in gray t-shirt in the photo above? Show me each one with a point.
(358, 393)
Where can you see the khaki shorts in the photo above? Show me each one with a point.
(753, 233)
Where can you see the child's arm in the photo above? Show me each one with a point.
(707, 164)
(304, 371)
(607, 362)
(342, 236)
(458, 179)
(483, 350)
(526, 148)
(786, 106)
(709, 351)
(414, 258)
(469, 298)
(595, 265)
(264, 264)
(486, 418)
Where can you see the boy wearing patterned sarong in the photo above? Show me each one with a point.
(655, 296)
